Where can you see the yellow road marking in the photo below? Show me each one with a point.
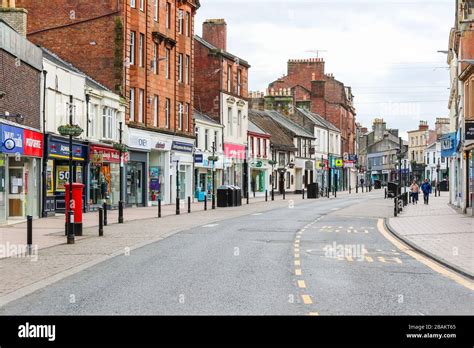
(349, 258)
(369, 259)
(297, 250)
(297, 263)
(298, 272)
(424, 260)
(298, 237)
(313, 313)
(302, 284)
(297, 256)
(306, 299)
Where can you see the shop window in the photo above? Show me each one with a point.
(108, 122)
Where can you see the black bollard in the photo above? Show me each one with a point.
(159, 208)
(101, 222)
(303, 193)
(396, 206)
(349, 189)
(120, 217)
(266, 195)
(284, 192)
(385, 193)
(248, 195)
(70, 230)
(105, 214)
(177, 206)
(205, 203)
(189, 204)
(29, 233)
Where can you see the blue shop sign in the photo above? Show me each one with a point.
(448, 144)
(182, 147)
(60, 149)
(12, 139)
(198, 158)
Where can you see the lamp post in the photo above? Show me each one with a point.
(70, 233)
(438, 169)
(120, 219)
(177, 187)
(213, 175)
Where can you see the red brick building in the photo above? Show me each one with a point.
(143, 50)
(322, 94)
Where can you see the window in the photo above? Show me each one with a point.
(108, 121)
(252, 149)
(186, 114)
(132, 47)
(155, 58)
(259, 148)
(229, 121)
(216, 140)
(168, 15)
(188, 63)
(229, 73)
(180, 67)
(141, 95)
(168, 55)
(92, 119)
(141, 49)
(141, 5)
(132, 3)
(155, 110)
(197, 137)
(288, 180)
(427, 159)
(265, 148)
(155, 10)
(282, 159)
(167, 112)
(132, 104)
(206, 139)
(434, 157)
(239, 122)
(188, 24)
(180, 116)
(180, 21)
(239, 76)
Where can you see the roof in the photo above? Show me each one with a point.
(205, 118)
(224, 53)
(318, 120)
(295, 128)
(280, 138)
(55, 59)
(252, 127)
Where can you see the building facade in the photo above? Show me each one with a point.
(259, 156)
(142, 50)
(221, 92)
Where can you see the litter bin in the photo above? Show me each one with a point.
(393, 190)
(238, 196)
(443, 185)
(313, 190)
(377, 184)
(232, 198)
(223, 196)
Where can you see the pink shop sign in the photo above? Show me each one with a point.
(234, 151)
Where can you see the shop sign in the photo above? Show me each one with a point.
(339, 163)
(22, 141)
(386, 171)
(59, 149)
(309, 165)
(233, 151)
(258, 164)
(182, 147)
(352, 158)
(349, 164)
(104, 154)
(448, 144)
(469, 130)
(198, 158)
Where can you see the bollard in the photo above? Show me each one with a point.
(29, 233)
(385, 193)
(105, 214)
(396, 207)
(273, 195)
(159, 208)
(101, 222)
(357, 188)
(349, 189)
(335, 193)
(189, 204)
(303, 193)
(120, 217)
(248, 195)
(205, 203)
(253, 194)
(70, 230)
(266, 195)
(284, 192)
(177, 206)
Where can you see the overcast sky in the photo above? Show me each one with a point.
(386, 50)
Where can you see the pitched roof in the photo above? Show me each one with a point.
(280, 138)
(224, 53)
(318, 120)
(252, 127)
(293, 127)
(197, 115)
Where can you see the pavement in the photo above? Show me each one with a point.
(438, 231)
(281, 257)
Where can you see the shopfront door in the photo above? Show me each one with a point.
(17, 191)
(135, 183)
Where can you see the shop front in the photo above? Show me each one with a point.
(57, 171)
(104, 176)
(182, 160)
(203, 178)
(234, 156)
(137, 179)
(20, 173)
(259, 176)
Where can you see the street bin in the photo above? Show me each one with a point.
(377, 184)
(232, 198)
(393, 190)
(238, 196)
(443, 185)
(77, 190)
(313, 190)
(223, 196)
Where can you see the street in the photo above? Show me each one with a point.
(312, 257)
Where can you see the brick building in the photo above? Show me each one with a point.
(143, 50)
(221, 91)
(321, 93)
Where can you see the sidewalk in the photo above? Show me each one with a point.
(438, 231)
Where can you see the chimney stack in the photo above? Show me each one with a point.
(15, 17)
(214, 31)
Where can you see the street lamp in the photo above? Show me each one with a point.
(121, 175)
(438, 169)
(213, 159)
(273, 162)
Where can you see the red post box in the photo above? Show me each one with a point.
(77, 190)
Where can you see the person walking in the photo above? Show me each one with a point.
(426, 188)
(414, 190)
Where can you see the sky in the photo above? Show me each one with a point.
(386, 50)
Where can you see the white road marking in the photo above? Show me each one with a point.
(210, 225)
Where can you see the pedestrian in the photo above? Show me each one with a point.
(414, 190)
(426, 188)
(362, 182)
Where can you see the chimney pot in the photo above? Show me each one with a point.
(214, 31)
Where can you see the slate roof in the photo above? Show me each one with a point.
(252, 127)
(293, 127)
(318, 120)
(197, 115)
(224, 53)
(281, 139)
